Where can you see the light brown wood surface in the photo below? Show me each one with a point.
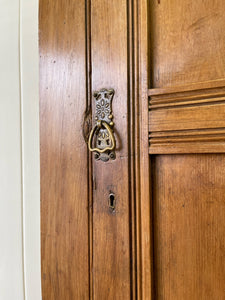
(142, 167)
(64, 181)
(88, 251)
(186, 139)
(189, 226)
(119, 57)
(182, 120)
(111, 233)
(165, 61)
(187, 41)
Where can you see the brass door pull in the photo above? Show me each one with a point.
(101, 124)
(105, 143)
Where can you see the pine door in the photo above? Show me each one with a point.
(187, 142)
(90, 220)
(141, 217)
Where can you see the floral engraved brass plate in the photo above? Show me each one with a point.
(102, 135)
(103, 105)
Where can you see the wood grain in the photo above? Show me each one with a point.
(187, 42)
(188, 121)
(104, 255)
(186, 139)
(194, 117)
(138, 150)
(189, 230)
(64, 181)
(192, 87)
(143, 172)
(184, 110)
(111, 230)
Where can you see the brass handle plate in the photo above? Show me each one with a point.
(102, 133)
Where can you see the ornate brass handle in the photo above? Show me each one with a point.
(101, 124)
(105, 143)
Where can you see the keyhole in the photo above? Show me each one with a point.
(112, 201)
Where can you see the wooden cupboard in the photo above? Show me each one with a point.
(164, 237)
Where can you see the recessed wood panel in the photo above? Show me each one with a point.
(64, 180)
(186, 117)
(189, 230)
(187, 41)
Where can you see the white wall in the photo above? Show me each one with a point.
(19, 152)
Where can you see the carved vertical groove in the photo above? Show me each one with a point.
(89, 158)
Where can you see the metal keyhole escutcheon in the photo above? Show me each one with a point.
(102, 135)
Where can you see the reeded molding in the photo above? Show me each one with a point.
(188, 119)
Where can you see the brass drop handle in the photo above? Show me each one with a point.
(104, 143)
(101, 124)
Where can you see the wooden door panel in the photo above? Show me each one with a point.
(186, 146)
(88, 250)
(189, 228)
(64, 160)
(187, 41)
(187, 119)
(111, 230)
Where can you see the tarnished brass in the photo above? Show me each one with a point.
(103, 135)
(104, 141)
